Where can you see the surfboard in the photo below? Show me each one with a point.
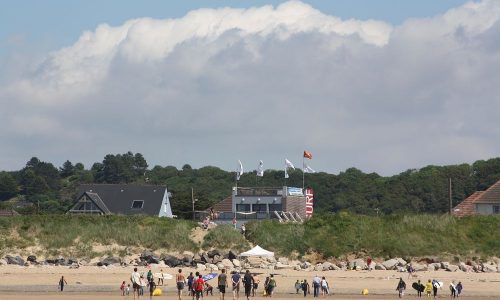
(209, 276)
(418, 287)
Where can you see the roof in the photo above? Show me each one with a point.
(118, 198)
(98, 201)
(225, 205)
(8, 213)
(491, 195)
(467, 207)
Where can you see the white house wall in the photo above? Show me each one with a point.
(166, 209)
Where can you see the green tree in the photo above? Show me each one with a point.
(8, 186)
(67, 169)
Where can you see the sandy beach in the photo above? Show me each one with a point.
(40, 282)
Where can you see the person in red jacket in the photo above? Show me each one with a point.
(199, 285)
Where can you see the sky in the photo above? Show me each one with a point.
(383, 86)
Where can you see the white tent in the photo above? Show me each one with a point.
(257, 251)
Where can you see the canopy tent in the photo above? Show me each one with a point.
(257, 251)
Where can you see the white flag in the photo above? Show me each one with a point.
(308, 169)
(260, 170)
(239, 171)
(288, 164)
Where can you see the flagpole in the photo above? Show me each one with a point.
(303, 172)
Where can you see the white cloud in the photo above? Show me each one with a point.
(265, 83)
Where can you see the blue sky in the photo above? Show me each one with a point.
(34, 25)
(383, 86)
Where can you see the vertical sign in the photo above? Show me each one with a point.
(309, 202)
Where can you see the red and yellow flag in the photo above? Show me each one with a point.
(308, 154)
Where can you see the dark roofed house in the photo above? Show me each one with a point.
(480, 203)
(123, 199)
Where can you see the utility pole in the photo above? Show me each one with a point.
(449, 195)
(192, 200)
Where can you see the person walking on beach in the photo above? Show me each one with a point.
(435, 285)
(62, 282)
(306, 288)
(325, 289)
(316, 286)
(190, 281)
(222, 284)
(248, 284)
(152, 287)
(453, 289)
(271, 285)
(401, 287)
(135, 278)
(459, 288)
(199, 285)
(160, 279)
(256, 282)
(428, 288)
(180, 280)
(298, 286)
(236, 279)
(122, 288)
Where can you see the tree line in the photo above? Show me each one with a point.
(41, 187)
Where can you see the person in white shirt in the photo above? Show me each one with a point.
(135, 278)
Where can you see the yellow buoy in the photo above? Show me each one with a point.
(364, 292)
(157, 292)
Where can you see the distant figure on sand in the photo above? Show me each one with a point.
(256, 282)
(428, 288)
(180, 280)
(152, 287)
(236, 279)
(222, 284)
(325, 288)
(160, 279)
(306, 288)
(459, 288)
(248, 284)
(122, 288)
(199, 285)
(298, 286)
(271, 285)
(135, 278)
(62, 282)
(401, 287)
(316, 286)
(453, 289)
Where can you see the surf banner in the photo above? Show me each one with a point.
(309, 202)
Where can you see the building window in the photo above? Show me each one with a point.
(243, 207)
(137, 204)
(496, 209)
(259, 207)
(275, 207)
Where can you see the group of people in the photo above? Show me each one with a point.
(319, 286)
(197, 286)
(430, 288)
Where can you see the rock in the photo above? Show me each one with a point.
(271, 260)
(220, 266)
(188, 254)
(444, 265)
(390, 264)
(419, 267)
(111, 261)
(231, 255)
(17, 260)
(172, 261)
(434, 266)
(283, 260)
(380, 267)
(279, 266)
(216, 259)
(31, 259)
(236, 263)
(342, 265)
(357, 263)
(401, 262)
(296, 268)
(452, 268)
(212, 267)
(487, 268)
(305, 265)
(213, 253)
(254, 261)
(227, 263)
(200, 267)
(318, 267)
(327, 266)
(3, 262)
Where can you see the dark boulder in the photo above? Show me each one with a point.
(172, 261)
(11, 260)
(231, 255)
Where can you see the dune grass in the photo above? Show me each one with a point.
(225, 237)
(389, 236)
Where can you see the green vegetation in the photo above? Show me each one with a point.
(225, 237)
(328, 235)
(58, 232)
(389, 236)
(52, 190)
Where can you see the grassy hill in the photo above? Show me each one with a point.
(326, 235)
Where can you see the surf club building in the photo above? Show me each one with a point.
(122, 199)
(286, 204)
(480, 203)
